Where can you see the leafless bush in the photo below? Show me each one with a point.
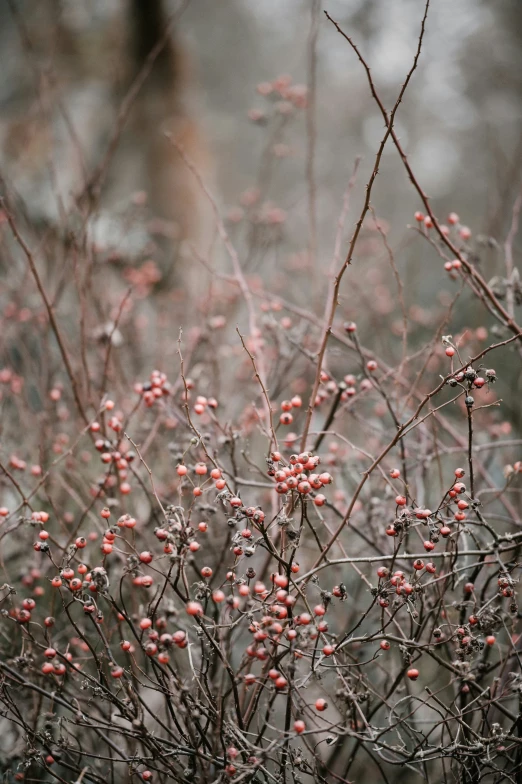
(282, 551)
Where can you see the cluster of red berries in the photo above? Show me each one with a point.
(294, 476)
(201, 470)
(286, 417)
(116, 455)
(155, 388)
(454, 221)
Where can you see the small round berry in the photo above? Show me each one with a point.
(413, 674)
(321, 704)
(299, 726)
(194, 608)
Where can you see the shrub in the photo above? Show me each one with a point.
(291, 552)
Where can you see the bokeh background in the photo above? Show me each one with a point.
(66, 69)
(460, 121)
